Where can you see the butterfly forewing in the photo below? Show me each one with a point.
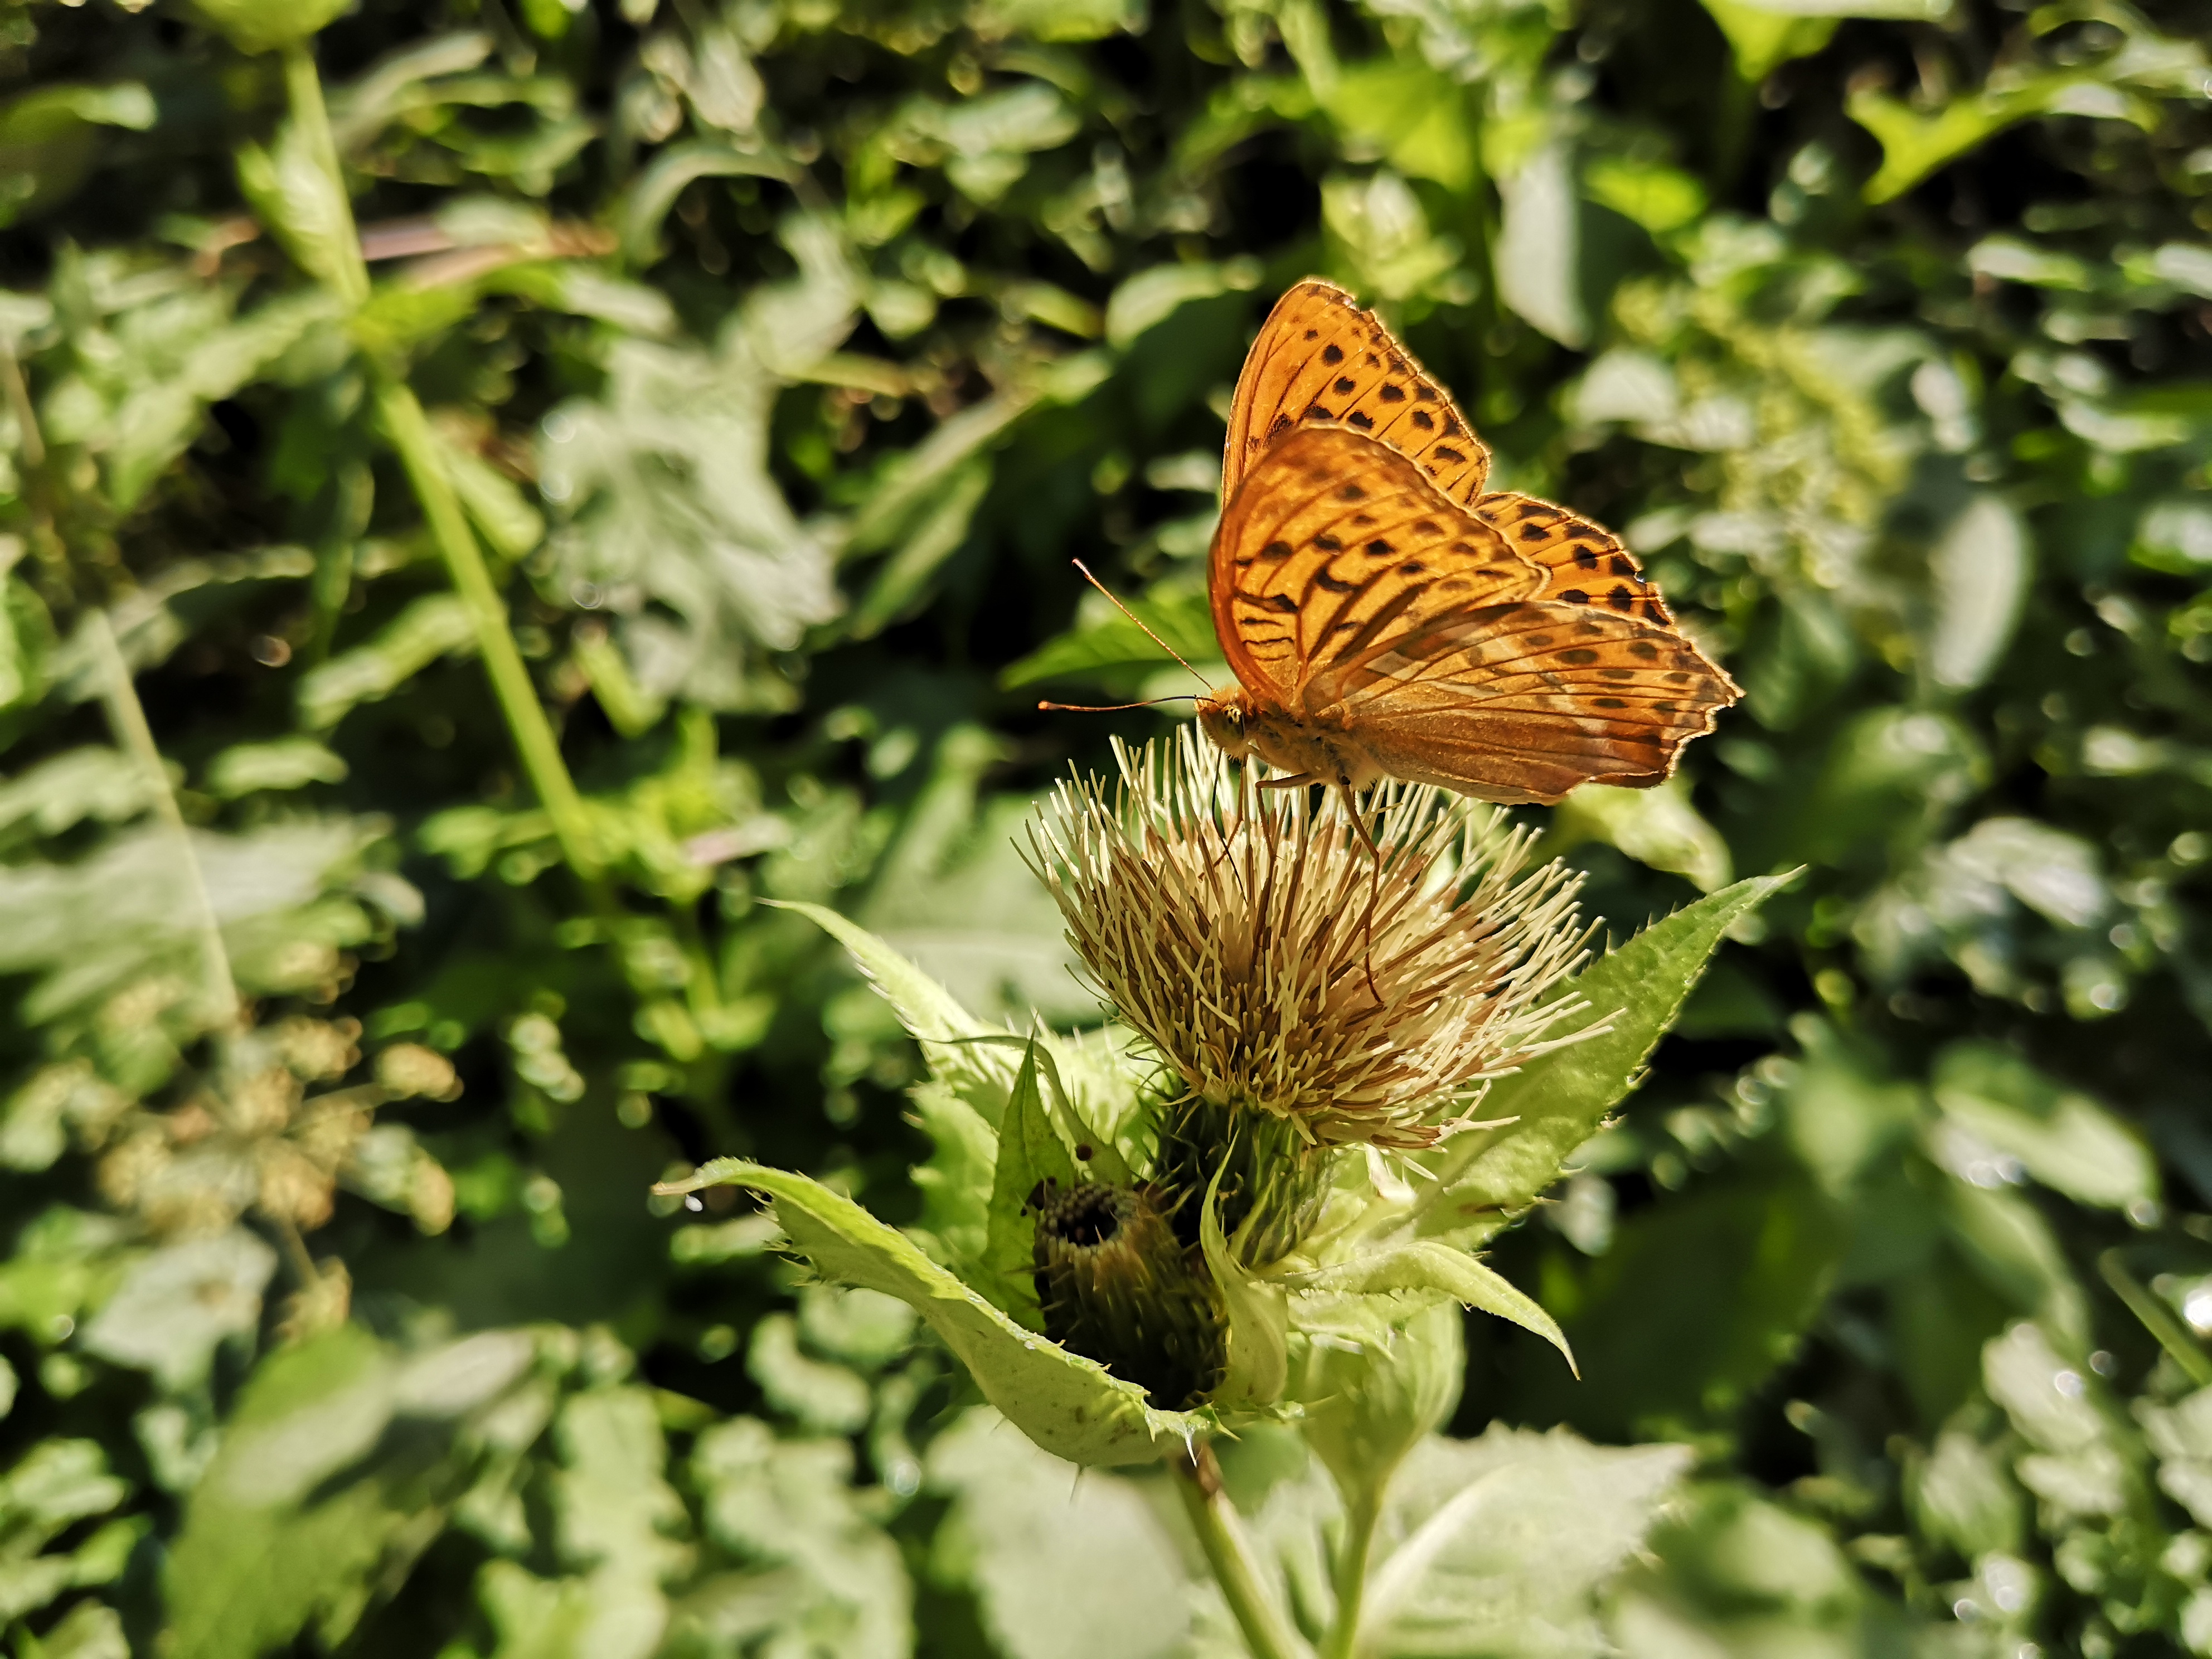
(1385, 616)
(1319, 357)
(1525, 701)
(1336, 547)
(1585, 562)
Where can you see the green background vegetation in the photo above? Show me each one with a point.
(734, 383)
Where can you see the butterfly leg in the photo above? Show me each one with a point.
(1303, 779)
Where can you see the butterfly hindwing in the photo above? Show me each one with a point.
(1527, 701)
(1319, 357)
(1335, 546)
(1585, 562)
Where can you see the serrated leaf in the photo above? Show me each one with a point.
(1510, 1535)
(960, 1049)
(1029, 1150)
(1070, 1406)
(1429, 1266)
(1557, 1102)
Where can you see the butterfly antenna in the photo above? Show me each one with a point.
(1111, 707)
(1140, 621)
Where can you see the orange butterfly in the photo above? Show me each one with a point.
(1385, 616)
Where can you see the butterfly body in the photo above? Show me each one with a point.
(1387, 616)
(1293, 745)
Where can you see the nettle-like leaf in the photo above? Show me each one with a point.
(679, 528)
(1552, 1106)
(1495, 1547)
(295, 1516)
(1071, 1407)
(57, 1486)
(281, 896)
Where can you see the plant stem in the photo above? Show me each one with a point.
(2195, 1363)
(1198, 1478)
(1350, 1576)
(126, 718)
(408, 429)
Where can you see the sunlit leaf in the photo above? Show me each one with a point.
(1070, 1406)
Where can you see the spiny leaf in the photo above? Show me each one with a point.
(1428, 1266)
(961, 1050)
(1557, 1102)
(1070, 1406)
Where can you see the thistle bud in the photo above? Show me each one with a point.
(1117, 1284)
(1370, 1393)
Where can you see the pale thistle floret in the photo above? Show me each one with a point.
(1282, 969)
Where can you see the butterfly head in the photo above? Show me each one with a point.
(1226, 717)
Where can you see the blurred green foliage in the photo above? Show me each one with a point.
(464, 551)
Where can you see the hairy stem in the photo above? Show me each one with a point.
(409, 430)
(1267, 1632)
(126, 718)
(1350, 1573)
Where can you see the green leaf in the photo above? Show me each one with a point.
(1558, 1102)
(937, 534)
(1029, 1150)
(179, 1304)
(1512, 1535)
(2065, 1141)
(268, 24)
(913, 489)
(436, 625)
(1914, 145)
(1152, 296)
(960, 1049)
(1062, 1565)
(252, 1566)
(246, 769)
(1070, 1406)
(1184, 620)
(1258, 1317)
(1373, 1381)
(1429, 1266)
(956, 1181)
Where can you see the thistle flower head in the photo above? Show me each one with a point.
(1282, 968)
